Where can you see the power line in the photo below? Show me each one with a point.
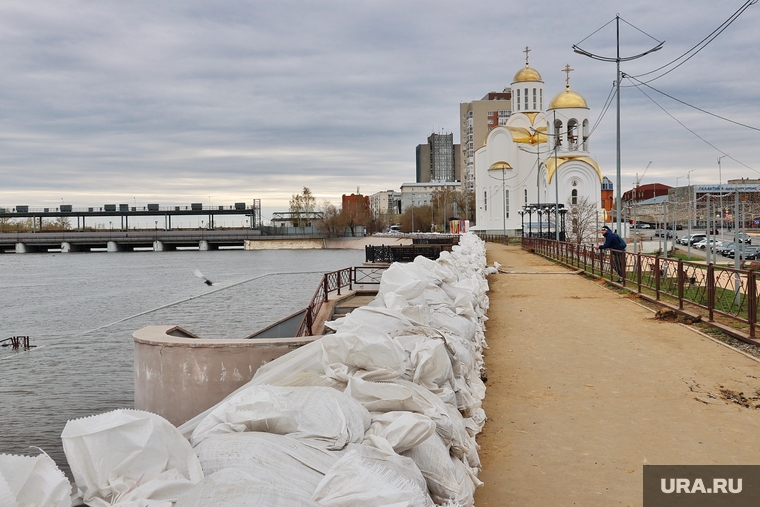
(694, 133)
(690, 105)
(700, 45)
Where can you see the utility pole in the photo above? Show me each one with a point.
(618, 77)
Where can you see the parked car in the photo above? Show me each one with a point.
(663, 233)
(744, 238)
(696, 238)
(748, 253)
(712, 243)
(683, 240)
(723, 250)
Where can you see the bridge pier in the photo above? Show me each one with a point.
(67, 247)
(113, 246)
(24, 248)
(160, 246)
(203, 246)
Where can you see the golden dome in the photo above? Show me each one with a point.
(567, 100)
(527, 74)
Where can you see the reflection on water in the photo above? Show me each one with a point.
(81, 310)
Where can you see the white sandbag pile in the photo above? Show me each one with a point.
(384, 412)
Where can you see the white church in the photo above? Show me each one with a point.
(536, 160)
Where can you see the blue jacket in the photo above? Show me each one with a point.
(613, 241)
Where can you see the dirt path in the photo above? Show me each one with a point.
(585, 387)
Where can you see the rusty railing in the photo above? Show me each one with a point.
(721, 291)
(334, 281)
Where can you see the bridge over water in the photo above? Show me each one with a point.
(119, 241)
(124, 212)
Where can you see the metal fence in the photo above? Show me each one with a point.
(334, 281)
(721, 291)
(494, 238)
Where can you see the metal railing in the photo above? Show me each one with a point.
(334, 281)
(494, 238)
(721, 291)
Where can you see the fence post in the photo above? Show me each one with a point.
(638, 272)
(325, 287)
(680, 281)
(309, 320)
(710, 292)
(351, 277)
(752, 301)
(657, 274)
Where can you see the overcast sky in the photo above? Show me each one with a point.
(219, 102)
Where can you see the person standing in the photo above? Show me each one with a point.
(617, 247)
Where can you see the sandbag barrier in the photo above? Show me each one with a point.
(383, 411)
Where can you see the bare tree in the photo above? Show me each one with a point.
(302, 207)
(465, 201)
(332, 224)
(581, 221)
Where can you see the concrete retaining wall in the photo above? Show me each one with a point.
(178, 375)
(285, 244)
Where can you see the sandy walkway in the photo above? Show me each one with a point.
(585, 387)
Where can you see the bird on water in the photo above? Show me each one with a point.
(202, 277)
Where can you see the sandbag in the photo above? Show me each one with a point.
(233, 487)
(402, 430)
(323, 415)
(275, 460)
(129, 456)
(365, 352)
(368, 477)
(32, 481)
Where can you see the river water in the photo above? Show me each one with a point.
(81, 310)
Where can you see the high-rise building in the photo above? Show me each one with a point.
(438, 160)
(478, 118)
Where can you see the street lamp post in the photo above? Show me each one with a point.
(522, 222)
(540, 212)
(720, 184)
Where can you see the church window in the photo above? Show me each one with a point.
(541, 98)
(518, 99)
(506, 203)
(526, 99)
(526, 196)
(534, 98)
(485, 200)
(574, 198)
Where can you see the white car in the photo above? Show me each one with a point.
(702, 245)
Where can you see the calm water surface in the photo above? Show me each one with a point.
(81, 310)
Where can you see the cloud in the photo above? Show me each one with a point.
(109, 100)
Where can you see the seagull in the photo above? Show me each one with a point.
(202, 277)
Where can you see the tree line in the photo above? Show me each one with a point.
(445, 205)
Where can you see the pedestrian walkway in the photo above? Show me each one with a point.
(585, 387)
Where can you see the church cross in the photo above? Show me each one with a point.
(567, 70)
(527, 50)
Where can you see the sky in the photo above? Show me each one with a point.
(174, 102)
